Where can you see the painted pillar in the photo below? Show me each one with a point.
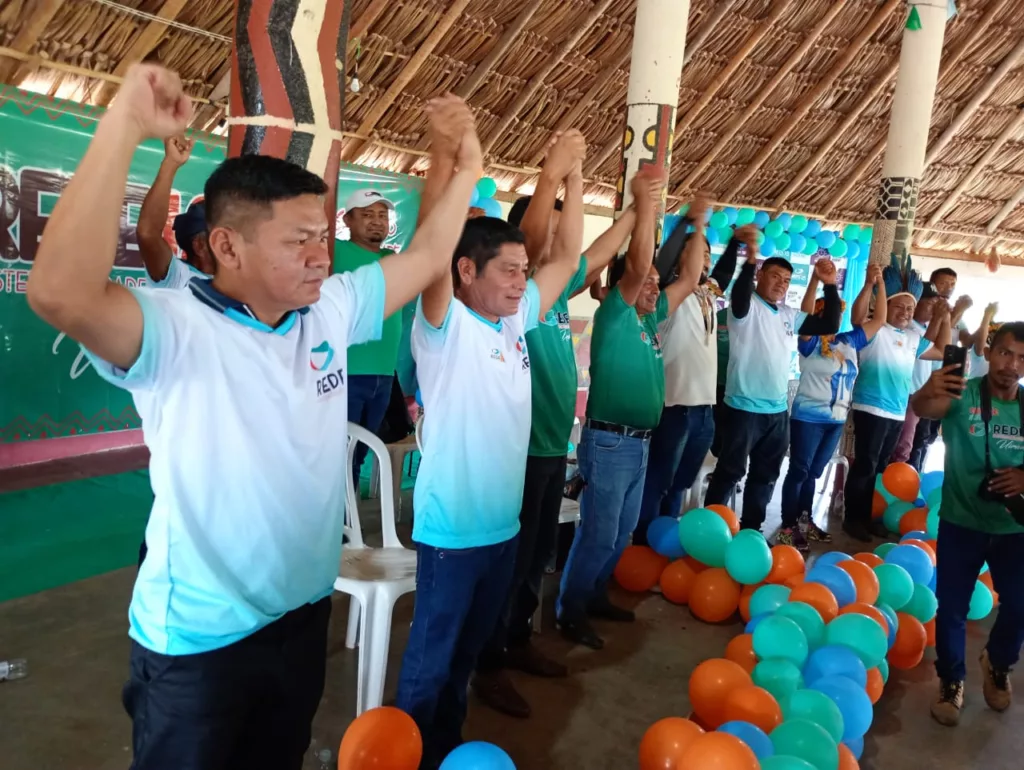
(656, 66)
(909, 122)
(288, 85)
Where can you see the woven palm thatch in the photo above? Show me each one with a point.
(783, 103)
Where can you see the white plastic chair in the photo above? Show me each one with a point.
(374, 578)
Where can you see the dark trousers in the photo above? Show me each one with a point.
(961, 554)
(538, 534)
(811, 446)
(718, 413)
(761, 438)
(678, 448)
(874, 439)
(460, 595)
(924, 436)
(246, 705)
(368, 398)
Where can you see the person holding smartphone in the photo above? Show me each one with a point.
(981, 517)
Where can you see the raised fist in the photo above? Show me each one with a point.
(825, 270)
(699, 207)
(152, 99)
(565, 154)
(874, 275)
(178, 149)
(747, 235)
(450, 117)
(648, 184)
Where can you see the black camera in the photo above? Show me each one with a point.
(1013, 503)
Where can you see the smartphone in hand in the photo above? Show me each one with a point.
(954, 355)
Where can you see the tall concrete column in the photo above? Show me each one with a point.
(908, 132)
(288, 85)
(656, 66)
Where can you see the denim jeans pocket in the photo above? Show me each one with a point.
(606, 440)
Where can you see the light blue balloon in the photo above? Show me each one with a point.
(984, 568)
(853, 702)
(835, 660)
(730, 214)
(930, 481)
(766, 599)
(797, 242)
(779, 677)
(490, 206)
(809, 620)
(474, 198)
(752, 735)
(785, 219)
(748, 559)
(705, 536)
(762, 218)
(856, 746)
(915, 535)
(754, 622)
(934, 584)
(478, 755)
(852, 249)
(779, 637)
(915, 561)
(663, 537)
(812, 229)
(712, 235)
(825, 238)
(768, 248)
(894, 624)
(831, 559)
(835, 580)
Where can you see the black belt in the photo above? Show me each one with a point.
(622, 430)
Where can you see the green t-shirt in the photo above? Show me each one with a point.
(627, 375)
(553, 374)
(379, 356)
(723, 345)
(963, 433)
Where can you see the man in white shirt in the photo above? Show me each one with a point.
(241, 385)
(763, 335)
(923, 369)
(469, 341)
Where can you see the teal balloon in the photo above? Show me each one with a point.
(810, 247)
(817, 707)
(748, 559)
(745, 216)
(807, 740)
(883, 669)
(780, 677)
(779, 637)
(838, 249)
(893, 514)
(895, 585)
(892, 619)
(704, 535)
(780, 762)
(487, 187)
(851, 232)
(760, 237)
(783, 241)
(766, 599)
(725, 234)
(984, 568)
(922, 604)
(719, 220)
(883, 550)
(809, 620)
(798, 224)
(981, 602)
(934, 499)
(865, 236)
(880, 488)
(861, 634)
(932, 523)
(774, 229)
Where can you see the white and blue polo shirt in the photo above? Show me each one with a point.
(246, 429)
(828, 371)
(887, 371)
(179, 274)
(474, 376)
(761, 348)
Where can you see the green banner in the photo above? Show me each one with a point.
(47, 387)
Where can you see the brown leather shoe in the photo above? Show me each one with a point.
(532, 661)
(996, 685)
(496, 690)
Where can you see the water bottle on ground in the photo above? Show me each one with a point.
(16, 668)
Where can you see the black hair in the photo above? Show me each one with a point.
(777, 262)
(256, 180)
(518, 211)
(941, 272)
(480, 242)
(928, 292)
(1013, 329)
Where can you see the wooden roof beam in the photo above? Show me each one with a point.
(804, 105)
(362, 25)
(977, 168)
(534, 84)
(380, 106)
(851, 179)
(1005, 211)
(469, 86)
(13, 71)
(144, 44)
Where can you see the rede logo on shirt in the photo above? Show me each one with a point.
(320, 359)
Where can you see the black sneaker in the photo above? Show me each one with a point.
(857, 531)
(579, 631)
(878, 529)
(816, 534)
(602, 608)
(532, 661)
(496, 690)
(792, 536)
(946, 710)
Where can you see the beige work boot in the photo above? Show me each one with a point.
(946, 710)
(997, 689)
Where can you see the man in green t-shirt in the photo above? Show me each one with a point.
(975, 525)
(371, 365)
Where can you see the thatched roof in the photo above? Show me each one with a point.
(810, 80)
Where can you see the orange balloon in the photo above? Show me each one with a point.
(786, 562)
(728, 515)
(381, 737)
(695, 565)
(870, 610)
(741, 650)
(718, 751)
(871, 559)
(639, 568)
(755, 705)
(934, 546)
(911, 639)
(745, 593)
(714, 596)
(864, 579)
(666, 741)
(902, 481)
(914, 520)
(710, 684)
(986, 578)
(795, 580)
(878, 505)
(819, 597)
(929, 630)
(676, 580)
(923, 546)
(846, 759)
(874, 685)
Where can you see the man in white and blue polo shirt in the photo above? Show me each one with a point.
(241, 385)
(469, 341)
(763, 336)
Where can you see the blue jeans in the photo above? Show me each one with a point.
(613, 468)
(811, 446)
(460, 595)
(368, 399)
(678, 448)
(961, 554)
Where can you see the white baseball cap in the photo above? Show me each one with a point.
(360, 199)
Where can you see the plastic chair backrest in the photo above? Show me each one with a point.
(353, 530)
(419, 434)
